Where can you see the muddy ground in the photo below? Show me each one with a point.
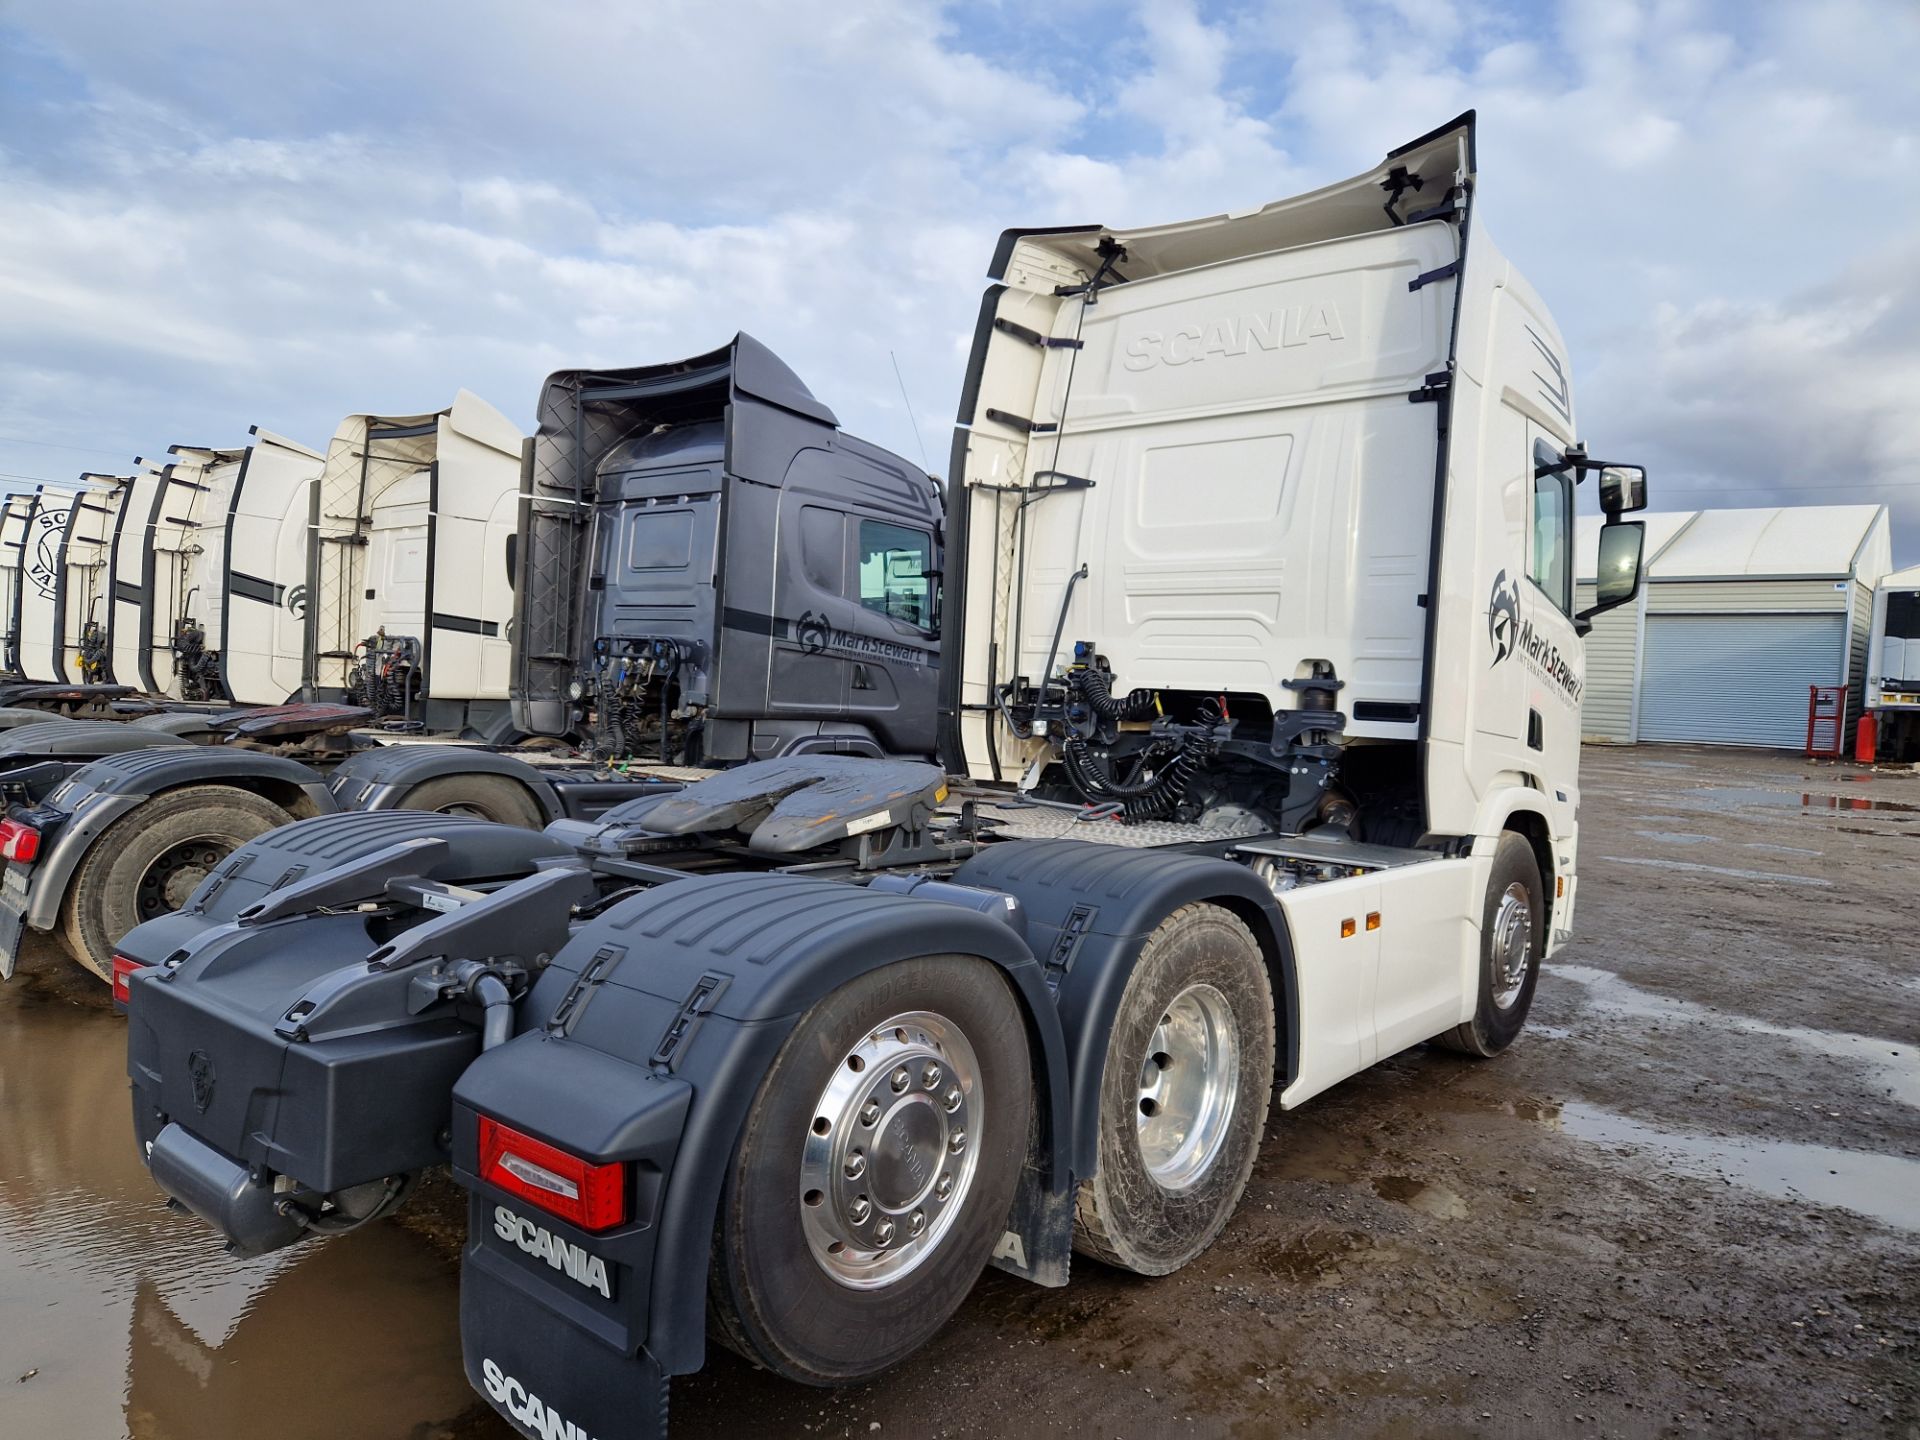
(1687, 1202)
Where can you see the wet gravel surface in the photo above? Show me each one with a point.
(1686, 1202)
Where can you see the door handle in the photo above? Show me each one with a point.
(861, 679)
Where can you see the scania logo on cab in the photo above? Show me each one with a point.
(1236, 335)
(580, 1266)
(529, 1409)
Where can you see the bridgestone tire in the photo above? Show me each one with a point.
(102, 901)
(491, 797)
(770, 1299)
(1123, 1214)
(1492, 1028)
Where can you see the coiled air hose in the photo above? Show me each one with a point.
(1153, 799)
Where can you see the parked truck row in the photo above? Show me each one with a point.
(1258, 686)
(310, 632)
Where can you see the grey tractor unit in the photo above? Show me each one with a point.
(1260, 680)
(646, 621)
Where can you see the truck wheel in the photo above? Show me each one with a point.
(874, 1173)
(1183, 1095)
(148, 862)
(491, 797)
(1513, 937)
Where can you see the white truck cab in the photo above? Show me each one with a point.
(1893, 664)
(1268, 527)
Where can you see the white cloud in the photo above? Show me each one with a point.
(282, 216)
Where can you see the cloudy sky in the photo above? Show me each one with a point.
(222, 215)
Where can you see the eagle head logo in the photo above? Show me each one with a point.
(1503, 616)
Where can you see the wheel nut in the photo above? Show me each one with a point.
(856, 1164)
(901, 1079)
(943, 1187)
(952, 1099)
(956, 1142)
(931, 1079)
(859, 1210)
(870, 1113)
(916, 1222)
(883, 1233)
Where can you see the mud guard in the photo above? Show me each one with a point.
(1090, 909)
(689, 989)
(100, 793)
(379, 779)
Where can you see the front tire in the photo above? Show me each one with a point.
(148, 862)
(1513, 937)
(875, 1171)
(1184, 1094)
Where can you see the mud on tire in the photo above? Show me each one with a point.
(775, 1295)
(1163, 1192)
(149, 861)
(1500, 1009)
(491, 797)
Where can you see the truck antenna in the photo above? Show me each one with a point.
(925, 463)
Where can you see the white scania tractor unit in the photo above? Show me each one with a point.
(84, 581)
(1262, 672)
(409, 571)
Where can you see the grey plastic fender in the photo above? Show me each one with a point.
(81, 739)
(758, 950)
(1090, 909)
(98, 794)
(379, 779)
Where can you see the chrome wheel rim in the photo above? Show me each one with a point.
(1189, 1083)
(1512, 944)
(891, 1149)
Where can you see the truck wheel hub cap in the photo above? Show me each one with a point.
(890, 1150)
(1512, 945)
(1189, 1083)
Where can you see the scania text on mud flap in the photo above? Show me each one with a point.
(1260, 665)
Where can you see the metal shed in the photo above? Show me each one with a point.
(1742, 610)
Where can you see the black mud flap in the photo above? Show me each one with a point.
(13, 916)
(552, 1380)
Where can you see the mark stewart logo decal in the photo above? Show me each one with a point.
(297, 600)
(1503, 616)
(1509, 634)
(812, 632)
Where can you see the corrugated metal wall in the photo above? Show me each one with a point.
(1737, 679)
(1606, 694)
(1861, 633)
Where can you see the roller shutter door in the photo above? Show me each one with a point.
(1736, 679)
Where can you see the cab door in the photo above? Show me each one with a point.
(1549, 647)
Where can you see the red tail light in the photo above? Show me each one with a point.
(19, 842)
(594, 1197)
(123, 969)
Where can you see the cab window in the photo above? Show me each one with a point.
(894, 562)
(1550, 555)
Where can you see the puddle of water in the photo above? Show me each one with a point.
(136, 1320)
(1890, 1066)
(1435, 1200)
(1883, 1187)
(1735, 797)
(1771, 875)
(1673, 837)
(1782, 849)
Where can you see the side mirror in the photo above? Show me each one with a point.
(1617, 579)
(1623, 489)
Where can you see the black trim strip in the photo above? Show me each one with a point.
(252, 587)
(465, 624)
(826, 637)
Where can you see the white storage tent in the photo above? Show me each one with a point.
(1741, 612)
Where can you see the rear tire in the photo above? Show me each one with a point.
(148, 862)
(1513, 937)
(491, 797)
(779, 1293)
(1196, 1019)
